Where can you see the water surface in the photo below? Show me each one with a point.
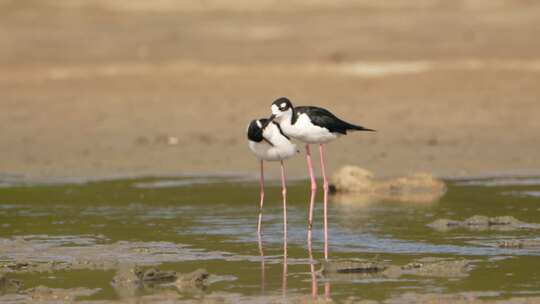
(183, 224)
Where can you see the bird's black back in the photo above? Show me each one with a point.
(325, 119)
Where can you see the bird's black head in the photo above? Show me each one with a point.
(282, 104)
(255, 129)
(282, 109)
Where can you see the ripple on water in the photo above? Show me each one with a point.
(523, 193)
(499, 182)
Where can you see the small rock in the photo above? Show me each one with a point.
(353, 179)
(419, 187)
(173, 140)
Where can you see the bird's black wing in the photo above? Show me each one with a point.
(325, 119)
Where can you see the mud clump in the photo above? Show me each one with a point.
(481, 222)
(8, 285)
(352, 266)
(477, 220)
(350, 181)
(129, 275)
(154, 275)
(129, 279)
(196, 279)
(55, 295)
(434, 268)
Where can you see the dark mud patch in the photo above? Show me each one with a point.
(480, 222)
(352, 266)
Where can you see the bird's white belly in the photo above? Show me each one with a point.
(267, 152)
(307, 132)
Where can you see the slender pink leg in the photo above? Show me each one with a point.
(325, 187)
(284, 193)
(313, 192)
(262, 199)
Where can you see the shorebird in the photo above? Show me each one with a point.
(312, 125)
(268, 143)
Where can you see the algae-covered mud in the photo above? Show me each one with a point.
(194, 239)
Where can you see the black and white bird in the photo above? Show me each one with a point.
(268, 143)
(312, 125)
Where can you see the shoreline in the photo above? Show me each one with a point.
(14, 180)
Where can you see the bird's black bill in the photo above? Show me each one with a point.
(270, 119)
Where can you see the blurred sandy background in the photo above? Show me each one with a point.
(120, 87)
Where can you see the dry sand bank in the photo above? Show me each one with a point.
(101, 90)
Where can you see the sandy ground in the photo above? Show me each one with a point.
(107, 88)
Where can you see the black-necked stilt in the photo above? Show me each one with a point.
(268, 143)
(312, 125)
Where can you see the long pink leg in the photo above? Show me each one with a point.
(325, 187)
(284, 193)
(259, 223)
(313, 192)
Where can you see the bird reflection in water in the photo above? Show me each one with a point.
(263, 266)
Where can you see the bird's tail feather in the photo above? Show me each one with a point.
(359, 128)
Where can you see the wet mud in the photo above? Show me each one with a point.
(27, 254)
(481, 222)
(425, 267)
(8, 285)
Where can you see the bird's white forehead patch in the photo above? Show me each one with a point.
(283, 105)
(259, 124)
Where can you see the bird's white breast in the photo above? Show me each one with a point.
(280, 149)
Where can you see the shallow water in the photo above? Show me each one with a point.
(183, 224)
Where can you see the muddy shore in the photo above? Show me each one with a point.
(93, 89)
